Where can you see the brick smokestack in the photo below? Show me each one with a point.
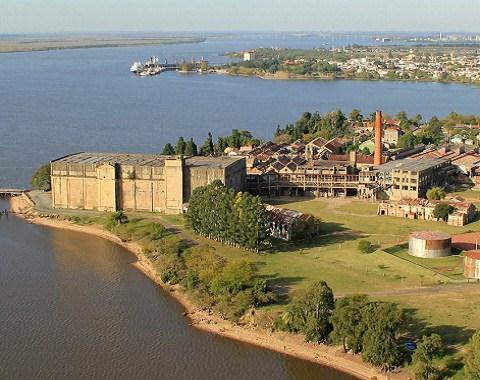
(377, 160)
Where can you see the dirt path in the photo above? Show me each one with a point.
(427, 290)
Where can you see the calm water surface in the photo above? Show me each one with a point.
(58, 102)
(73, 307)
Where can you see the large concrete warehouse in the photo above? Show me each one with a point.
(137, 182)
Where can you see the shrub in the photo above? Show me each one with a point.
(41, 179)
(442, 210)
(116, 218)
(435, 193)
(364, 246)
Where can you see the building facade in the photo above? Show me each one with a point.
(137, 182)
(423, 209)
(471, 264)
(409, 178)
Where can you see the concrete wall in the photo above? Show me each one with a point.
(471, 267)
(110, 187)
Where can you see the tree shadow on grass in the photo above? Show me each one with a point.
(341, 237)
(452, 338)
(282, 285)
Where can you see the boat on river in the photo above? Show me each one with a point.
(150, 67)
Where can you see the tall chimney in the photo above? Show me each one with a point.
(377, 159)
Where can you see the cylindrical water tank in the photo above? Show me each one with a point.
(429, 244)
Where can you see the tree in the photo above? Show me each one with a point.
(435, 193)
(365, 246)
(237, 218)
(235, 277)
(346, 322)
(220, 146)
(382, 323)
(423, 357)
(207, 149)
(180, 147)
(407, 140)
(432, 133)
(168, 150)
(190, 148)
(41, 179)
(442, 210)
(310, 312)
(472, 360)
(355, 115)
(187, 66)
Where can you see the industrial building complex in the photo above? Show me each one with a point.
(320, 168)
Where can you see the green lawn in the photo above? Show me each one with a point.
(454, 315)
(466, 193)
(335, 258)
(451, 267)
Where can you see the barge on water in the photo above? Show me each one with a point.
(151, 67)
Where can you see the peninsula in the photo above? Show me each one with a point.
(449, 63)
(13, 44)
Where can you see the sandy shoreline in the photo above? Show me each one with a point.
(284, 343)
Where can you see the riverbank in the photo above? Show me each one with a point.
(285, 76)
(24, 45)
(281, 342)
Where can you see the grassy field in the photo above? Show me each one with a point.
(335, 258)
(451, 267)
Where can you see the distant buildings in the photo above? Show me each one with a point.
(423, 209)
(249, 55)
(289, 224)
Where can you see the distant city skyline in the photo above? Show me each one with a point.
(81, 16)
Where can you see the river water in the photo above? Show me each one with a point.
(58, 102)
(73, 307)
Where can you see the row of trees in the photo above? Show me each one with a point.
(219, 213)
(356, 322)
(360, 325)
(236, 139)
(328, 126)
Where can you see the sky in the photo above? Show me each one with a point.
(47, 16)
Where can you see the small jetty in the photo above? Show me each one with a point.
(153, 67)
(8, 192)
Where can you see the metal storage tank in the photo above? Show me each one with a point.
(429, 244)
(471, 264)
